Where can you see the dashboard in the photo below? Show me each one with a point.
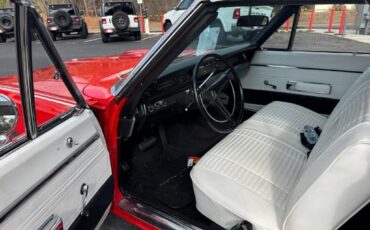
(172, 92)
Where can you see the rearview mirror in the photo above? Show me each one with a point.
(252, 21)
(8, 114)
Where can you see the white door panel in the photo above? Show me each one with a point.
(281, 76)
(66, 169)
(336, 70)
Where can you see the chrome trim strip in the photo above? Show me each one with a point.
(153, 216)
(24, 59)
(304, 68)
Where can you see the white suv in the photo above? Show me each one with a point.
(228, 15)
(119, 18)
(171, 16)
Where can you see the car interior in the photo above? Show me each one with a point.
(222, 137)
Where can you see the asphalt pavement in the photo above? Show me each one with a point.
(72, 47)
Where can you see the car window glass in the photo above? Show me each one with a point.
(333, 28)
(10, 100)
(112, 7)
(52, 97)
(224, 32)
(279, 39)
(184, 5)
(61, 7)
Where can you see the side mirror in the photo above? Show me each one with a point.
(252, 21)
(174, 7)
(8, 115)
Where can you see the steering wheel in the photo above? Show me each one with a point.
(218, 93)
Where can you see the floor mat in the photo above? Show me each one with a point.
(160, 178)
(176, 191)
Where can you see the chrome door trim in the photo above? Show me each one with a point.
(54, 222)
(24, 61)
(153, 216)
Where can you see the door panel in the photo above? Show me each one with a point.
(321, 77)
(281, 76)
(44, 177)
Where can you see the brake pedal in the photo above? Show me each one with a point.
(147, 143)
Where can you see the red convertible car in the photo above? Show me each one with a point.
(210, 129)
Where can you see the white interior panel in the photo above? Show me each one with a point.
(27, 167)
(337, 71)
(340, 81)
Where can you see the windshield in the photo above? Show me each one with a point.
(65, 7)
(111, 7)
(225, 31)
(7, 11)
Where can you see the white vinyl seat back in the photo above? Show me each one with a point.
(335, 181)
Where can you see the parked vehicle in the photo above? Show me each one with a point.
(197, 133)
(65, 19)
(119, 18)
(227, 16)
(6, 24)
(171, 16)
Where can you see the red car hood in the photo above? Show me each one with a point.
(93, 76)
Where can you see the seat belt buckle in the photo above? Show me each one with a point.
(310, 136)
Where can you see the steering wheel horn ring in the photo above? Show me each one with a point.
(210, 93)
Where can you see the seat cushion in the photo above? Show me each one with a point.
(250, 175)
(257, 166)
(288, 117)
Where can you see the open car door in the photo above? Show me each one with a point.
(56, 175)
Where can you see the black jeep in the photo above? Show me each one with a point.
(6, 24)
(66, 19)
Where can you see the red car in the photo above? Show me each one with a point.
(207, 130)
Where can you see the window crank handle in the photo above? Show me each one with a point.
(269, 84)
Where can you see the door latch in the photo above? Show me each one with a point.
(84, 192)
(269, 84)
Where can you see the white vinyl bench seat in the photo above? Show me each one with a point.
(262, 173)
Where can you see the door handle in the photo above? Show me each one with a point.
(309, 87)
(54, 222)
